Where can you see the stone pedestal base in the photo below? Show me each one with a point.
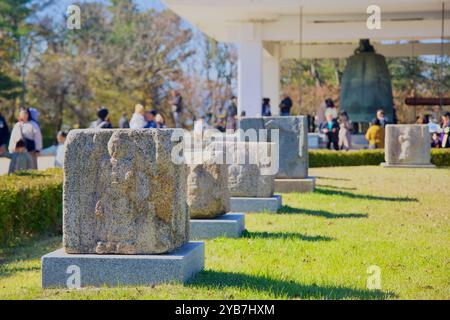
(255, 204)
(230, 225)
(62, 270)
(423, 166)
(295, 185)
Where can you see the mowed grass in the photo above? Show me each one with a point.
(318, 247)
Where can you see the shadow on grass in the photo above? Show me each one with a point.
(215, 280)
(320, 213)
(330, 178)
(32, 249)
(27, 173)
(284, 235)
(334, 187)
(363, 196)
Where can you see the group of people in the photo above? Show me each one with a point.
(439, 133)
(285, 107)
(24, 143)
(143, 119)
(337, 127)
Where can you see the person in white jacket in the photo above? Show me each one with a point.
(138, 119)
(28, 131)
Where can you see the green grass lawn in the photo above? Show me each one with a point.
(318, 247)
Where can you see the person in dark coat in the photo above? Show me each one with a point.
(285, 106)
(177, 108)
(231, 114)
(265, 112)
(4, 131)
(331, 129)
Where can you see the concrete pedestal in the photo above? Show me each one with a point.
(62, 270)
(295, 185)
(255, 204)
(230, 225)
(423, 166)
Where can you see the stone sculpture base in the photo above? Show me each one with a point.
(59, 268)
(423, 166)
(230, 225)
(255, 204)
(295, 185)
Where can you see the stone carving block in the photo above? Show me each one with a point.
(249, 168)
(122, 193)
(292, 142)
(207, 188)
(407, 145)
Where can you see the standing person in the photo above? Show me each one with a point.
(435, 141)
(150, 118)
(345, 131)
(285, 106)
(383, 120)
(199, 127)
(445, 130)
(102, 121)
(160, 122)
(4, 132)
(123, 121)
(265, 110)
(331, 129)
(58, 150)
(28, 131)
(177, 108)
(375, 135)
(330, 108)
(231, 114)
(138, 118)
(20, 158)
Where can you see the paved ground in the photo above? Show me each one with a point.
(43, 163)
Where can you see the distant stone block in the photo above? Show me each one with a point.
(293, 142)
(207, 189)
(123, 194)
(251, 168)
(295, 185)
(230, 225)
(272, 204)
(60, 269)
(407, 146)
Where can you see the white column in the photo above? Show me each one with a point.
(271, 81)
(250, 71)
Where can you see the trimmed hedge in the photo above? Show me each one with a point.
(327, 158)
(30, 205)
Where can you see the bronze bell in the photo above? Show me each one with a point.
(366, 85)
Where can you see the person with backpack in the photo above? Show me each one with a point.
(27, 131)
(102, 121)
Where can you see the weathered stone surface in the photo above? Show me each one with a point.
(122, 193)
(207, 189)
(292, 144)
(249, 174)
(407, 145)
